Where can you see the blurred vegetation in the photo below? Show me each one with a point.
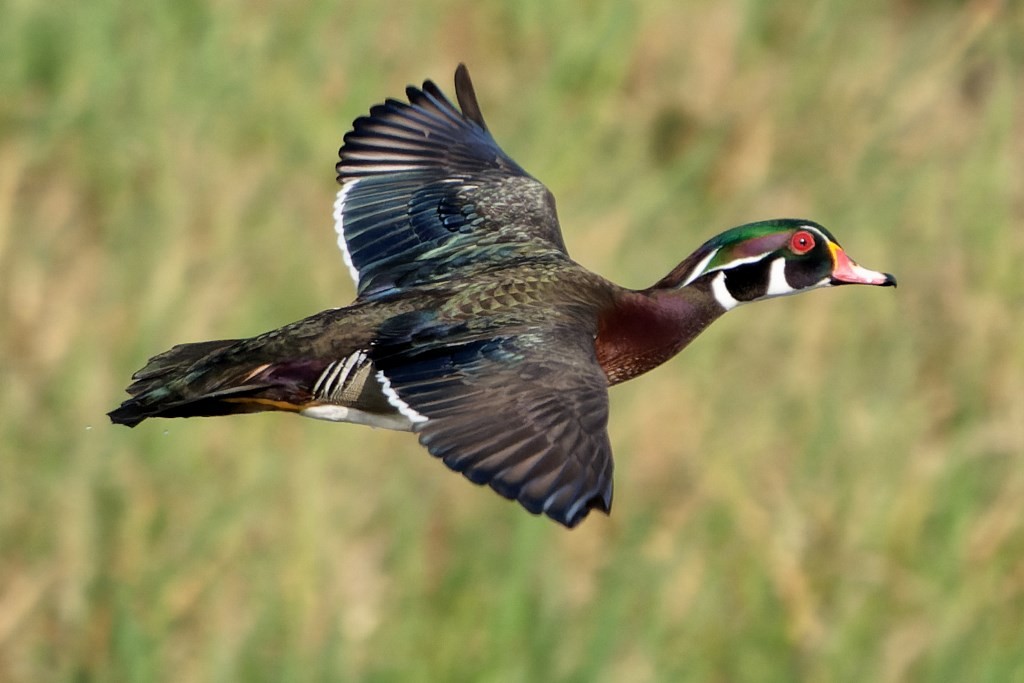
(823, 488)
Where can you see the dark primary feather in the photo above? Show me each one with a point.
(526, 414)
(428, 195)
(466, 95)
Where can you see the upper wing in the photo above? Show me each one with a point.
(526, 414)
(427, 194)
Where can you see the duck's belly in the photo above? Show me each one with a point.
(336, 413)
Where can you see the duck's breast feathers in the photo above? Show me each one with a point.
(427, 194)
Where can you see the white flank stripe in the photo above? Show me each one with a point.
(394, 399)
(353, 360)
(331, 381)
(336, 375)
(320, 380)
(339, 227)
(777, 284)
(722, 293)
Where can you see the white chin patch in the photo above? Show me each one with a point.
(777, 285)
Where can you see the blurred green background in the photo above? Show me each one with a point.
(822, 488)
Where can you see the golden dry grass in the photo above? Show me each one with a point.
(827, 488)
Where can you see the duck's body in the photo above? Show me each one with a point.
(472, 326)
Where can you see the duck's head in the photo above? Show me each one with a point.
(769, 259)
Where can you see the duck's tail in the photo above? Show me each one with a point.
(200, 379)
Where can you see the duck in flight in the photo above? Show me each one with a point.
(472, 327)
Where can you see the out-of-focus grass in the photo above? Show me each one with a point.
(828, 488)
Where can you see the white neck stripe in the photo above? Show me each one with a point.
(777, 284)
(722, 294)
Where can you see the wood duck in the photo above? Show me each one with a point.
(472, 326)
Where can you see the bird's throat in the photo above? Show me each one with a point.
(642, 330)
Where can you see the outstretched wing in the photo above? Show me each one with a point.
(427, 195)
(525, 414)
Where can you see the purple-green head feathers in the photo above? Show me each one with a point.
(768, 259)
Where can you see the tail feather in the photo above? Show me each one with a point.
(174, 359)
(157, 404)
(188, 380)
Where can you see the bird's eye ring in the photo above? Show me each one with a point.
(801, 242)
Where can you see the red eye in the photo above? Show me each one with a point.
(801, 242)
